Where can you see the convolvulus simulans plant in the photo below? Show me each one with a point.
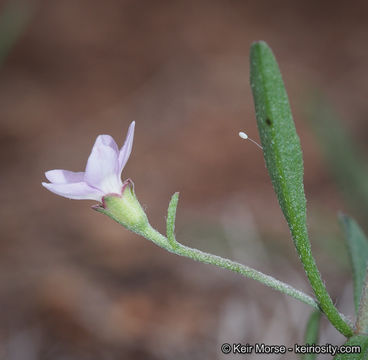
(101, 181)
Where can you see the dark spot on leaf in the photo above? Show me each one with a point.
(268, 122)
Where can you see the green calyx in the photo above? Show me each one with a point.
(125, 209)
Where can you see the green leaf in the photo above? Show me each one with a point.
(312, 333)
(170, 222)
(361, 326)
(358, 251)
(281, 145)
(283, 156)
(358, 340)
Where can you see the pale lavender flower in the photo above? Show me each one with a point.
(102, 175)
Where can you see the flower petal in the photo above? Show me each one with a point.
(102, 170)
(127, 147)
(108, 141)
(77, 191)
(64, 176)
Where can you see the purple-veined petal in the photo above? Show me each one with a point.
(102, 170)
(127, 148)
(64, 176)
(77, 191)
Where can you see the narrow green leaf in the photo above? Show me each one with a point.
(283, 156)
(361, 344)
(361, 326)
(281, 145)
(312, 333)
(357, 244)
(170, 222)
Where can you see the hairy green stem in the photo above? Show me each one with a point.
(197, 255)
(127, 211)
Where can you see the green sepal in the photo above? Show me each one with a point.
(125, 209)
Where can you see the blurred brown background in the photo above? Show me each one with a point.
(75, 285)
